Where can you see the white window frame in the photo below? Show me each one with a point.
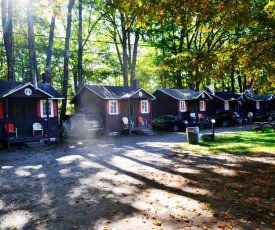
(43, 109)
(257, 105)
(113, 107)
(144, 106)
(226, 105)
(182, 106)
(202, 105)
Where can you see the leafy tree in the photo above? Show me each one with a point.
(66, 60)
(31, 44)
(7, 15)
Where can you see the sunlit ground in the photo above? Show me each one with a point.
(143, 185)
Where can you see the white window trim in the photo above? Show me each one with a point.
(257, 105)
(226, 105)
(182, 106)
(202, 105)
(116, 107)
(146, 110)
(50, 105)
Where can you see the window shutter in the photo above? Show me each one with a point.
(139, 107)
(107, 107)
(226, 105)
(204, 102)
(179, 106)
(149, 107)
(186, 107)
(119, 107)
(38, 109)
(1, 110)
(54, 108)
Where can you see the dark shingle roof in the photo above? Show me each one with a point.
(225, 96)
(183, 94)
(114, 92)
(9, 87)
(262, 97)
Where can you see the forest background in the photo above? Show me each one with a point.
(187, 44)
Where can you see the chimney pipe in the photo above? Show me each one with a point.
(46, 78)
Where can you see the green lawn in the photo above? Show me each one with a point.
(246, 142)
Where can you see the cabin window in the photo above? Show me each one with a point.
(226, 105)
(257, 105)
(202, 105)
(183, 106)
(44, 106)
(113, 107)
(144, 106)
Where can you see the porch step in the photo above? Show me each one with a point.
(146, 132)
(34, 144)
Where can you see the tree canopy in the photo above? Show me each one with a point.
(167, 43)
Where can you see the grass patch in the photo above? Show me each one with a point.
(246, 142)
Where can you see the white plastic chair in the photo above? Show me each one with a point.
(126, 122)
(37, 127)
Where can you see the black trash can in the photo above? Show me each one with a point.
(192, 135)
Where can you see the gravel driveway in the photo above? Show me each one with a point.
(123, 182)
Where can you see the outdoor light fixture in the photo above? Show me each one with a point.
(213, 127)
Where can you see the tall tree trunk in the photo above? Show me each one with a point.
(232, 81)
(129, 52)
(80, 47)
(50, 47)
(179, 80)
(244, 83)
(134, 61)
(240, 83)
(66, 61)
(7, 34)
(31, 45)
(180, 50)
(124, 51)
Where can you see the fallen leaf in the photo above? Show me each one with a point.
(185, 218)
(73, 221)
(157, 223)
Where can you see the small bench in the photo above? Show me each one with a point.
(260, 125)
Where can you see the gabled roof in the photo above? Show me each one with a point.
(113, 92)
(262, 97)
(183, 94)
(9, 87)
(225, 96)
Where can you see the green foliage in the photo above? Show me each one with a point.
(183, 42)
(246, 142)
(270, 8)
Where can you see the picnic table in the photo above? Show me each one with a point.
(261, 124)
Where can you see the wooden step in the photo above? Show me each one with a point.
(146, 132)
(34, 144)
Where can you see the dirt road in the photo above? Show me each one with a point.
(136, 183)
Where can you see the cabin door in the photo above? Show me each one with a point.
(21, 119)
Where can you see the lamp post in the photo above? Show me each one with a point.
(213, 128)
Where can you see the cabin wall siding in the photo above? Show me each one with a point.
(164, 105)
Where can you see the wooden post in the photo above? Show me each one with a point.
(7, 121)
